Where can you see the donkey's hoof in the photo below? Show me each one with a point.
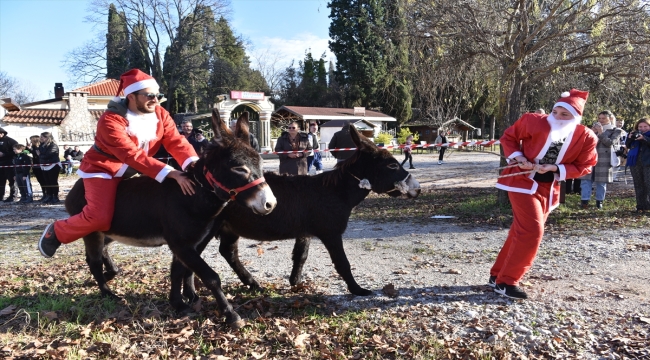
(182, 308)
(362, 292)
(235, 321)
(256, 288)
(237, 324)
(191, 297)
(295, 279)
(110, 295)
(109, 275)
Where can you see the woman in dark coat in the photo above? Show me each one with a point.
(32, 146)
(48, 153)
(292, 140)
(638, 159)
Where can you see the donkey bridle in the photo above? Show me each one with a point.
(232, 192)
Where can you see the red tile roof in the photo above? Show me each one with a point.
(96, 113)
(106, 87)
(41, 116)
(322, 111)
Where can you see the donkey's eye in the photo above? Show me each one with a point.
(393, 166)
(242, 170)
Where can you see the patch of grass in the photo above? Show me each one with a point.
(471, 206)
(478, 206)
(618, 211)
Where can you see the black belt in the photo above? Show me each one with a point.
(103, 152)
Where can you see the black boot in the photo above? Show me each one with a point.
(46, 198)
(584, 204)
(9, 199)
(54, 199)
(27, 199)
(599, 204)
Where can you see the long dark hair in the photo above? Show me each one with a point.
(48, 136)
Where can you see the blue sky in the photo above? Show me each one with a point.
(36, 35)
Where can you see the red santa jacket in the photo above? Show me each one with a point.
(530, 137)
(119, 150)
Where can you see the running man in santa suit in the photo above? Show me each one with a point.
(556, 147)
(128, 134)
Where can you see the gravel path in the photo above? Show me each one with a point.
(589, 293)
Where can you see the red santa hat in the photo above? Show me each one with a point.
(134, 80)
(574, 101)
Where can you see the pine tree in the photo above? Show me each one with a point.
(117, 44)
(356, 30)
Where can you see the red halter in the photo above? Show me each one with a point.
(232, 192)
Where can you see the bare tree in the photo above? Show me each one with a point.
(19, 92)
(7, 84)
(87, 63)
(269, 64)
(527, 42)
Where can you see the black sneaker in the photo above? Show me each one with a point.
(48, 243)
(412, 167)
(492, 282)
(9, 199)
(511, 291)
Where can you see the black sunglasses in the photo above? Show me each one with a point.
(152, 96)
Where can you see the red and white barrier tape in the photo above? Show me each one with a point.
(449, 144)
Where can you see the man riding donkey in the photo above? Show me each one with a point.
(544, 150)
(129, 133)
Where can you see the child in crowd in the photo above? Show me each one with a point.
(407, 151)
(23, 162)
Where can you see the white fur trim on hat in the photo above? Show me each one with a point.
(568, 107)
(143, 84)
(565, 94)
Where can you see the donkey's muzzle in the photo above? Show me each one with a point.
(264, 201)
(414, 188)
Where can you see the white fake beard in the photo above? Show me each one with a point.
(142, 126)
(560, 129)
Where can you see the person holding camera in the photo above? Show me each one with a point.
(638, 159)
(603, 173)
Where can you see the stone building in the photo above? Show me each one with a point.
(70, 116)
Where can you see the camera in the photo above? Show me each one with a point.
(634, 134)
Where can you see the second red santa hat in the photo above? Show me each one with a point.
(574, 101)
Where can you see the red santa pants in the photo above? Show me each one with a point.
(517, 254)
(95, 216)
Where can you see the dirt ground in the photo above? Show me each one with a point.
(589, 294)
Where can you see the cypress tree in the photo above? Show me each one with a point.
(117, 44)
(139, 49)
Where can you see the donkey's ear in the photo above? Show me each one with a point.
(361, 141)
(219, 127)
(242, 129)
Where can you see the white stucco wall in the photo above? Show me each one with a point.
(21, 132)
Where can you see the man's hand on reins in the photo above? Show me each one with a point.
(187, 185)
(523, 163)
(541, 169)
